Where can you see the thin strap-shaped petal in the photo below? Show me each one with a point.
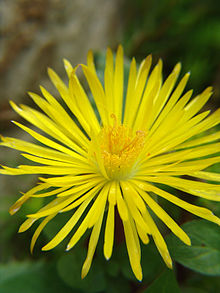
(82, 198)
(188, 154)
(197, 103)
(199, 141)
(90, 61)
(207, 175)
(109, 80)
(112, 193)
(172, 101)
(47, 161)
(201, 189)
(136, 97)
(64, 91)
(130, 90)
(196, 210)
(50, 170)
(92, 245)
(36, 150)
(48, 142)
(71, 180)
(171, 224)
(145, 111)
(26, 225)
(47, 125)
(178, 167)
(159, 241)
(97, 92)
(189, 130)
(138, 201)
(49, 193)
(180, 182)
(84, 108)
(39, 230)
(142, 234)
(136, 215)
(165, 91)
(67, 228)
(109, 232)
(133, 251)
(99, 205)
(122, 208)
(16, 206)
(169, 123)
(179, 135)
(68, 67)
(86, 222)
(96, 151)
(59, 204)
(57, 117)
(118, 84)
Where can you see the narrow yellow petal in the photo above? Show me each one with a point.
(58, 204)
(90, 61)
(26, 225)
(97, 92)
(138, 201)
(109, 232)
(68, 67)
(198, 102)
(92, 245)
(109, 80)
(196, 210)
(39, 230)
(142, 234)
(73, 180)
(112, 193)
(133, 251)
(159, 241)
(82, 198)
(207, 175)
(99, 205)
(134, 211)
(49, 142)
(47, 161)
(16, 206)
(172, 101)
(67, 228)
(122, 208)
(202, 140)
(135, 96)
(86, 222)
(130, 91)
(166, 90)
(118, 83)
(80, 98)
(36, 150)
(171, 224)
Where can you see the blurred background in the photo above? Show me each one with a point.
(35, 34)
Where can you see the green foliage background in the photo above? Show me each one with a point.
(176, 30)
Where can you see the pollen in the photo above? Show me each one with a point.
(120, 149)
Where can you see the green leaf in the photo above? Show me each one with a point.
(151, 262)
(165, 283)
(69, 269)
(204, 254)
(118, 285)
(30, 277)
(192, 290)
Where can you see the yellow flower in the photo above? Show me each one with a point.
(113, 160)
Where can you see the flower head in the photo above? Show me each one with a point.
(110, 159)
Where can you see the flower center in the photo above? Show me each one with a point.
(119, 149)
